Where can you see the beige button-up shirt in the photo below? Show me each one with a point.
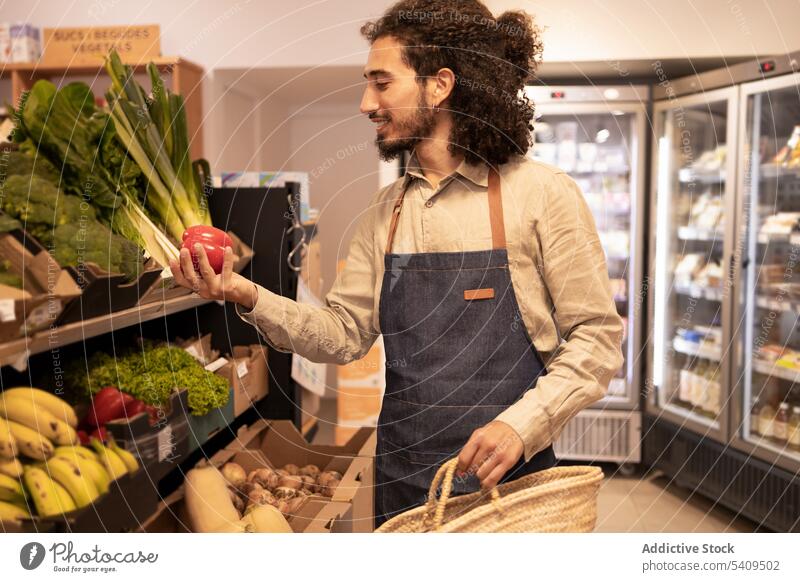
(557, 267)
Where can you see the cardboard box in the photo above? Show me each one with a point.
(281, 443)
(248, 375)
(314, 517)
(25, 43)
(360, 388)
(47, 288)
(89, 45)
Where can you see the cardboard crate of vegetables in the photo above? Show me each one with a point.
(33, 288)
(173, 516)
(341, 473)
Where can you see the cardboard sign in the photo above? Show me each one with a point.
(136, 43)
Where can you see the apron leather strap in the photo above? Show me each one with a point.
(496, 211)
(495, 214)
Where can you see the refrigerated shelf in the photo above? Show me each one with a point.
(687, 175)
(775, 305)
(698, 350)
(776, 371)
(699, 292)
(696, 233)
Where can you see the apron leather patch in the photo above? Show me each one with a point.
(474, 294)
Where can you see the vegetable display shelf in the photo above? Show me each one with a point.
(17, 352)
(187, 78)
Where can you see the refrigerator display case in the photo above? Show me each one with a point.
(766, 420)
(597, 135)
(723, 402)
(693, 198)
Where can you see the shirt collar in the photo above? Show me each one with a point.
(478, 173)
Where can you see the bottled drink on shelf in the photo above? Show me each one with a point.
(794, 429)
(711, 404)
(766, 420)
(697, 394)
(685, 379)
(780, 428)
(754, 417)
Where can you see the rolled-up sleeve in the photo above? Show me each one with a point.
(340, 331)
(574, 270)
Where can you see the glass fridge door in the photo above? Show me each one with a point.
(601, 147)
(767, 417)
(693, 195)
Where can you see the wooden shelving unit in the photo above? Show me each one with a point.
(17, 352)
(187, 80)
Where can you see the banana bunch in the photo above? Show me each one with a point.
(58, 475)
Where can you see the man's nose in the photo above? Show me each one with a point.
(368, 102)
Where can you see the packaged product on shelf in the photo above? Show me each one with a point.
(781, 425)
(794, 429)
(26, 45)
(5, 42)
(754, 410)
(711, 404)
(687, 268)
(685, 380)
(766, 420)
(780, 223)
(699, 384)
(784, 156)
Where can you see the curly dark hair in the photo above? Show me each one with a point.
(491, 58)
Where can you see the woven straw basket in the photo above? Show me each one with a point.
(561, 499)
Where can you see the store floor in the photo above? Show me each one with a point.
(651, 503)
(643, 503)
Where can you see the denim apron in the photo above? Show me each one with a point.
(457, 355)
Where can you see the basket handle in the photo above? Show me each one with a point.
(444, 476)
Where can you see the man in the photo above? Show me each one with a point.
(482, 269)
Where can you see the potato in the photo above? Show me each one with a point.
(265, 477)
(293, 481)
(310, 471)
(292, 469)
(328, 489)
(260, 497)
(285, 492)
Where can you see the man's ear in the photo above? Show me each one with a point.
(444, 83)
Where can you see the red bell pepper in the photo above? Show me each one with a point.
(83, 437)
(108, 404)
(100, 434)
(134, 408)
(213, 240)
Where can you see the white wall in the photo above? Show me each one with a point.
(270, 33)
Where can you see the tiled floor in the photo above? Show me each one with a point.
(650, 503)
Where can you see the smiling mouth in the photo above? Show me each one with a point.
(380, 123)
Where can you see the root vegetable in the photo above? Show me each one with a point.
(260, 497)
(328, 489)
(282, 472)
(264, 477)
(246, 488)
(295, 504)
(234, 473)
(308, 483)
(327, 476)
(292, 469)
(285, 492)
(310, 471)
(293, 481)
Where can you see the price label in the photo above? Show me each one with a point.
(7, 312)
(242, 369)
(166, 444)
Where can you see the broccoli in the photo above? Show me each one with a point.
(68, 227)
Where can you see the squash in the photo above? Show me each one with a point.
(208, 501)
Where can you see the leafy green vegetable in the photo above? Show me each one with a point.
(64, 126)
(151, 374)
(155, 134)
(66, 226)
